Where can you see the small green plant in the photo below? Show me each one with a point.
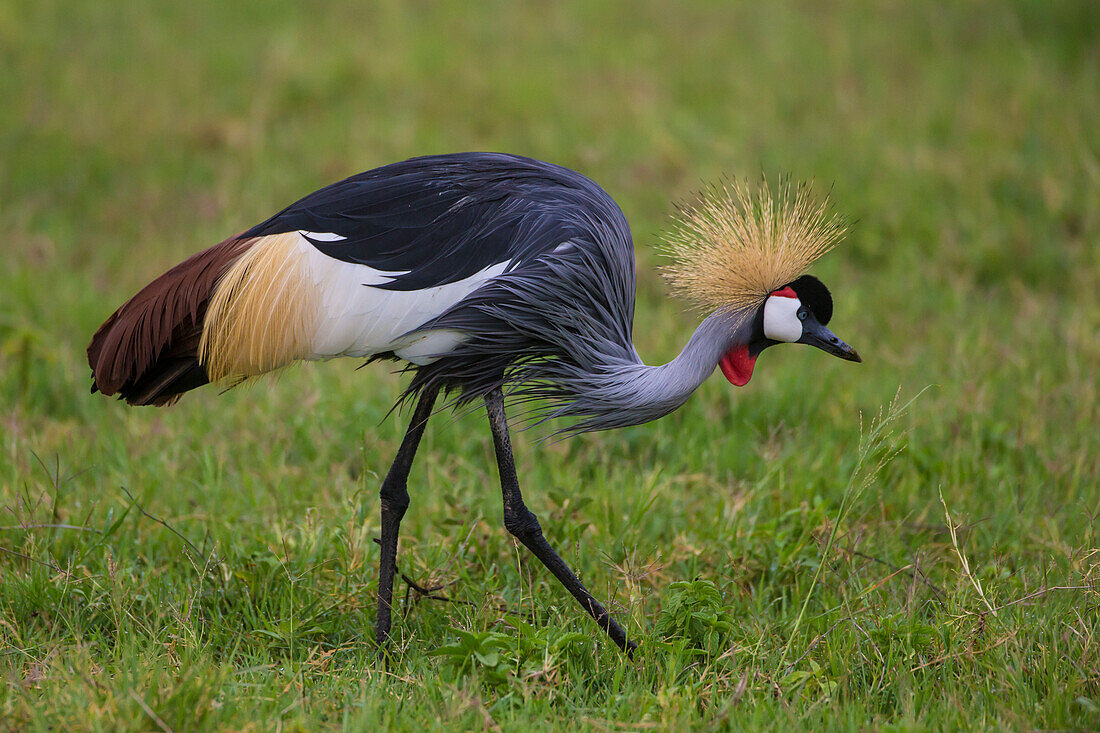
(696, 614)
(498, 657)
(547, 647)
(814, 679)
(479, 651)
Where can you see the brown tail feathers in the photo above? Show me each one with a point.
(147, 351)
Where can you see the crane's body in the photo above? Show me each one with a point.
(385, 264)
(487, 273)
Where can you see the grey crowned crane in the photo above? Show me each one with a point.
(495, 277)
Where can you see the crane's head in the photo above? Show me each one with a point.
(743, 253)
(795, 313)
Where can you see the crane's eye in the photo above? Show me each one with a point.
(802, 314)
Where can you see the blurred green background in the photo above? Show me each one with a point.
(962, 139)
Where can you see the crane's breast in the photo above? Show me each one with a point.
(285, 300)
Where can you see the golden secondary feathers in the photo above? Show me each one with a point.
(263, 311)
(734, 244)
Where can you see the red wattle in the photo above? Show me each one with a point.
(737, 365)
(786, 292)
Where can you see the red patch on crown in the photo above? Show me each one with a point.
(785, 293)
(737, 365)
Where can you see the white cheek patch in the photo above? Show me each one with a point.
(781, 319)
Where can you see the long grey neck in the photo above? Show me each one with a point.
(634, 393)
(673, 383)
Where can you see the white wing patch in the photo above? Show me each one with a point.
(322, 236)
(370, 276)
(284, 300)
(426, 347)
(355, 319)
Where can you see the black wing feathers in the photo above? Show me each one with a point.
(440, 219)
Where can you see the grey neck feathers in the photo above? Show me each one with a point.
(630, 393)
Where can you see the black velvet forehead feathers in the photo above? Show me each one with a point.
(813, 293)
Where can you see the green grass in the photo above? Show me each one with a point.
(212, 565)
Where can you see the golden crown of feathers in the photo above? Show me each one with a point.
(733, 244)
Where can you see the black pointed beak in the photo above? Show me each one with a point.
(814, 334)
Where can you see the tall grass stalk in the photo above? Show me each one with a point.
(874, 454)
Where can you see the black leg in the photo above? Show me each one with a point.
(525, 526)
(395, 500)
